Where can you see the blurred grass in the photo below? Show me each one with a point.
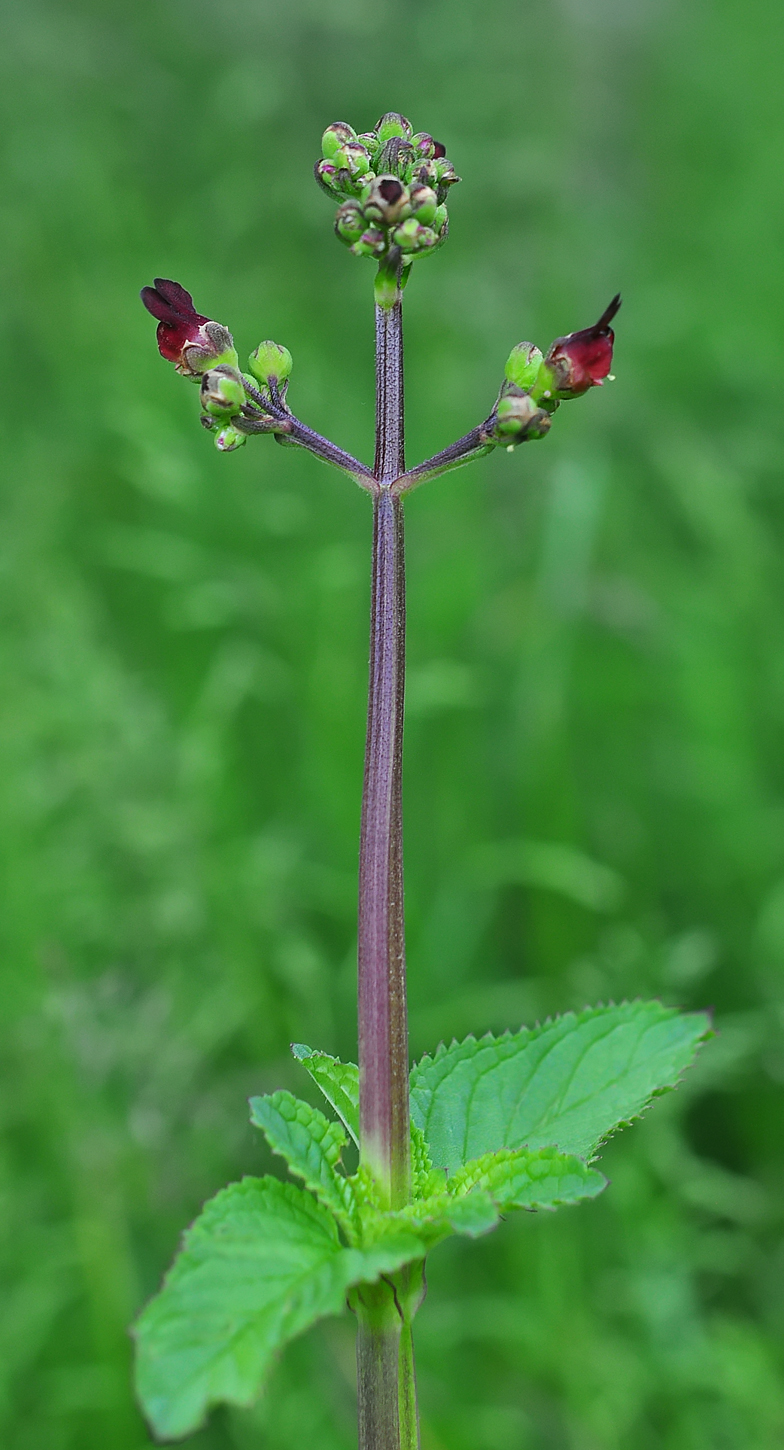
(595, 788)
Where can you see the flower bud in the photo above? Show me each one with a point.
(411, 237)
(372, 243)
(229, 438)
(518, 418)
(336, 136)
(447, 176)
(579, 361)
(222, 392)
(326, 174)
(270, 363)
(424, 145)
(186, 338)
(353, 158)
(349, 222)
(424, 203)
(522, 365)
(393, 124)
(426, 172)
(386, 200)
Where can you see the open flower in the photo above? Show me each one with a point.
(192, 342)
(582, 360)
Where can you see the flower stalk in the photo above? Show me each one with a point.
(383, 1024)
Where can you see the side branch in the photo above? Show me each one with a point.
(270, 415)
(472, 445)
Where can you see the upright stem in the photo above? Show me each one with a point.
(383, 1025)
(385, 1358)
(390, 434)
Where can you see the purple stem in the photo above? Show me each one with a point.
(383, 1025)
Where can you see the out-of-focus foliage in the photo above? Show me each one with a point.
(595, 786)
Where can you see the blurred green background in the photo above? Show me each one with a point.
(595, 775)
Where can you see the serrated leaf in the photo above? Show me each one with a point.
(569, 1083)
(311, 1146)
(261, 1263)
(421, 1166)
(430, 1220)
(339, 1082)
(528, 1178)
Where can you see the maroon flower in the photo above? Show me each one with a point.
(582, 360)
(192, 342)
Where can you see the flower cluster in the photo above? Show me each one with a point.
(535, 385)
(392, 187)
(204, 351)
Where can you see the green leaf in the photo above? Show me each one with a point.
(429, 1220)
(311, 1146)
(569, 1083)
(339, 1082)
(528, 1178)
(261, 1263)
(421, 1167)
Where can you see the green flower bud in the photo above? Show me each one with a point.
(522, 365)
(387, 200)
(336, 136)
(424, 145)
(393, 124)
(518, 419)
(222, 392)
(372, 243)
(411, 237)
(424, 203)
(447, 176)
(370, 140)
(353, 158)
(229, 438)
(349, 222)
(426, 172)
(270, 362)
(326, 173)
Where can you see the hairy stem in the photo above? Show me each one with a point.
(390, 433)
(378, 1367)
(383, 1024)
(383, 1027)
(271, 410)
(472, 445)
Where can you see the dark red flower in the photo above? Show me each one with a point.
(186, 338)
(582, 360)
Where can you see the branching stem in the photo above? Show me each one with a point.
(385, 1366)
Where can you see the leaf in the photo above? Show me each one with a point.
(430, 1220)
(261, 1263)
(421, 1166)
(311, 1146)
(528, 1178)
(569, 1083)
(339, 1082)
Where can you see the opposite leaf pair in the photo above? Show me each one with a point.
(497, 1124)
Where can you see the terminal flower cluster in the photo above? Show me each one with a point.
(392, 187)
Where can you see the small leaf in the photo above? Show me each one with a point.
(430, 1220)
(526, 1178)
(261, 1263)
(311, 1146)
(421, 1166)
(339, 1082)
(569, 1083)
